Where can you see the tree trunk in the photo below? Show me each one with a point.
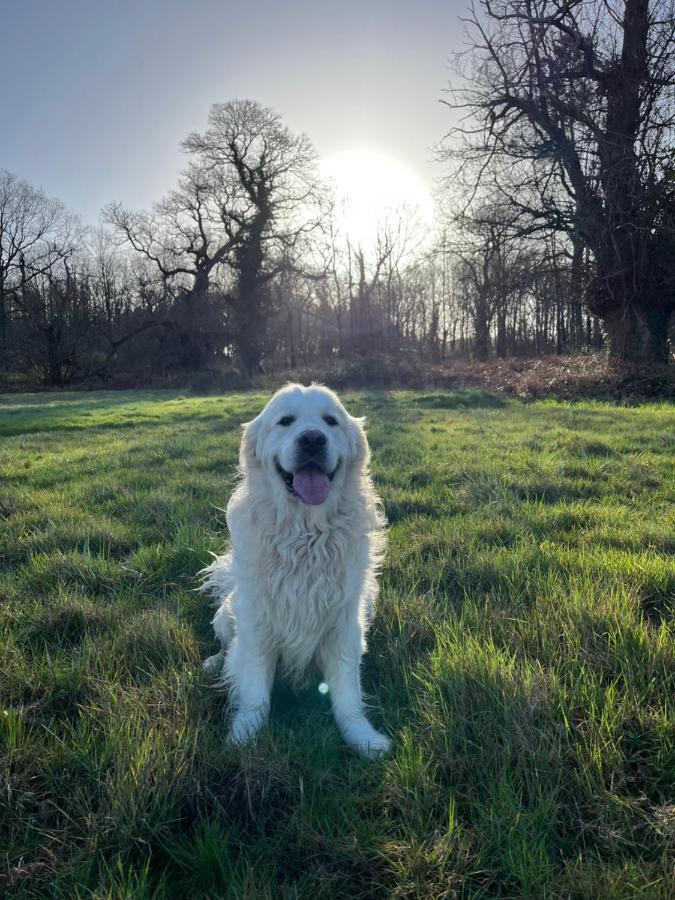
(576, 293)
(53, 374)
(291, 339)
(4, 362)
(250, 310)
(501, 332)
(482, 331)
(637, 337)
(629, 292)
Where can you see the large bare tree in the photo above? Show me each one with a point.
(583, 90)
(266, 179)
(241, 214)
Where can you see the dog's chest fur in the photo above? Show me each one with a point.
(301, 575)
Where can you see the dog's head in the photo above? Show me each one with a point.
(305, 443)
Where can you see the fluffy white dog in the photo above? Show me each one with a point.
(299, 582)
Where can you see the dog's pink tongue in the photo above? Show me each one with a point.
(312, 485)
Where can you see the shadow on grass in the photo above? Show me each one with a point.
(109, 411)
(473, 399)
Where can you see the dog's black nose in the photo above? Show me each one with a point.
(312, 441)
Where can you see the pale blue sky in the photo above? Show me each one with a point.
(97, 95)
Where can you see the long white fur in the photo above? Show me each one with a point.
(298, 584)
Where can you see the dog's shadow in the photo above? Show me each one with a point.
(300, 709)
(300, 721)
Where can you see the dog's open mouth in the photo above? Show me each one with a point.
(310, 483)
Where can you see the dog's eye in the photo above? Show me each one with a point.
(286, 421)
(330, 420)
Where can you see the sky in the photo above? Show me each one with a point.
(98, 95)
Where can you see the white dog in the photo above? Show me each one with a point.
(298, 584)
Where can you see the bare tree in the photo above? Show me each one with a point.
(190, 238)
(584, 91)
(181, 235)
(266, 179)
(486, 263)
(36, 233)
(363, 284)
(122, 307)
(239, 217)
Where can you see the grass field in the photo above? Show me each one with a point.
(522, 659)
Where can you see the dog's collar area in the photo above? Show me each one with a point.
(287, 477)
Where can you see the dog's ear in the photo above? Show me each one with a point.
(359, 450)
(249, 454)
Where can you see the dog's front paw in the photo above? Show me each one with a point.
(214, 664)
(365, 740)
(244, 727)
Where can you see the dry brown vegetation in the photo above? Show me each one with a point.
(580, 376)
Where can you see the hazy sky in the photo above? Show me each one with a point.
(97, 95)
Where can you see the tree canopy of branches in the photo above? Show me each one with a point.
(241, 214)
(579, 95)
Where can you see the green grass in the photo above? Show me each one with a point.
(522, 659)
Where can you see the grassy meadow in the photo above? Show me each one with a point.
(522, 659)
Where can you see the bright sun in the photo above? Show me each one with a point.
(373, 189)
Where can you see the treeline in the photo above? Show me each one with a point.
(197, 285)
(555, 229)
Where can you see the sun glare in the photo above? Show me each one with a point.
(373, 190)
